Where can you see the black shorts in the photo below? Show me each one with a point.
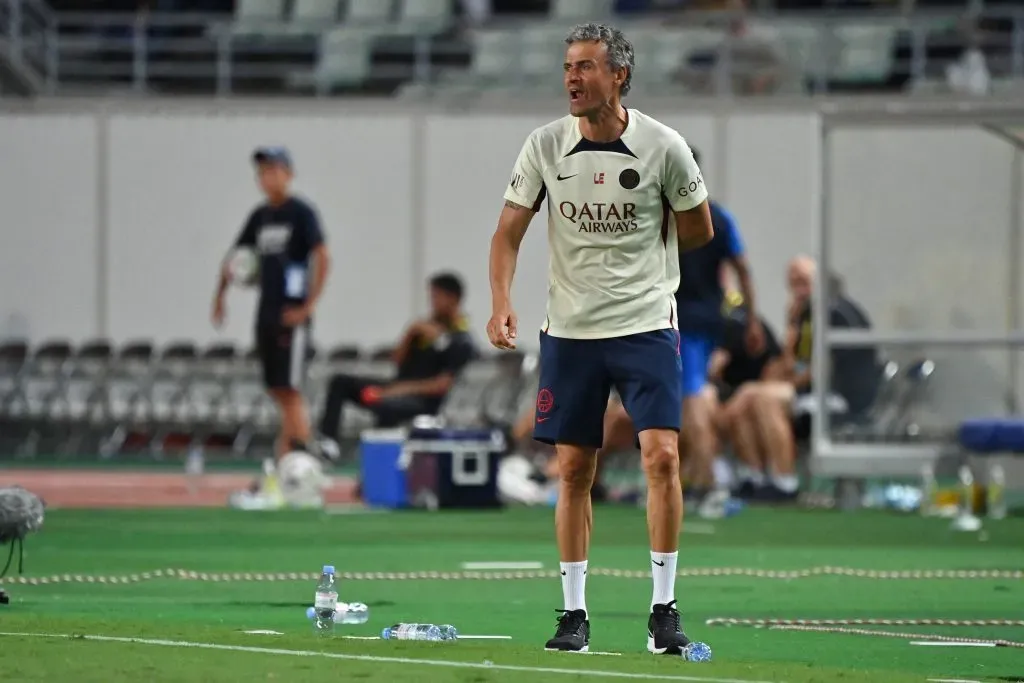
(283, 352)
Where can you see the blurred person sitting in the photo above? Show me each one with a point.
(735, 372)
(768, 445)
(429, 357)
(746, 62)
(700, 302)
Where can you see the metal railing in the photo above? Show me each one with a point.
(28, 39)
(216, 55)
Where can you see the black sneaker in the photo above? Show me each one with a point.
(664, 634)
(572, 634)
(772, 495)
(745, 491)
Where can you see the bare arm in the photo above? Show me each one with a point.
(746, 281)
(694, 227)
(321, 267)
(512, 225)
(720, 358)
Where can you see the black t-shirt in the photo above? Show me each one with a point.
(743, 367)
(284, 236)
(855, 372)
(448, 353)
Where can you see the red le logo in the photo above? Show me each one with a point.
(599, 178)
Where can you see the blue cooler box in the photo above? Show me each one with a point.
(446, 468)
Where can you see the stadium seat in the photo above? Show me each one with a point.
(125, 400)
(14, 355)
(581, 10)
(494, 54)
(486, 393)
(424, 16)
(13, 362)
(77, 411)
(256, 17)
(368, 12)
(206, 397)
(255, 410)
(311, 17)
(542, 52)
(167, 409)
(344, 61)
(665, 52)
(804, 48)
(865, 51)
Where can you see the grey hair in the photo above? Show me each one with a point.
(620, 50)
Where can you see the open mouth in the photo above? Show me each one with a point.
(575, 95)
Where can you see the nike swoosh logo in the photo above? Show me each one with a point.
(563, 573)
(566, 177)
(660, 564)
(543, 419)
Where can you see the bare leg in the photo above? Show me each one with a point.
(294, 420)
(574, 515)
(659, 451)
(741, 426)
(698, 440)
(772, 410)
(574, 519)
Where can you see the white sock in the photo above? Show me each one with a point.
(574, 585)
(663, 568)
(786, 482)
(745, 473)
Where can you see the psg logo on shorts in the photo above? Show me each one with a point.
(629, 179)
(545, 400)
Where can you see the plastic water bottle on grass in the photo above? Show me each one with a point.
(428, 632)
(346, 613)
(325, 604)
(697, 652)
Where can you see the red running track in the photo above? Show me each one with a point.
(100, 489)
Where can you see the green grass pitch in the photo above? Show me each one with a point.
(164, 613)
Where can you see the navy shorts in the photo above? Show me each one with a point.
(577, 375)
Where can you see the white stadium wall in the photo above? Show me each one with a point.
(114, 220)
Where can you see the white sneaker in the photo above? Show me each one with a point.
(713, 505)
(247, 500)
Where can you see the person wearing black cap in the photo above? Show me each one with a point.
(285, 232)
(429, 357)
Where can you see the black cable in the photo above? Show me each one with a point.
(10, 557)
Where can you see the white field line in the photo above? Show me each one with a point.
(596, 673)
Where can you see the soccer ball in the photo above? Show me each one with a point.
(302, 480)
(243, 266)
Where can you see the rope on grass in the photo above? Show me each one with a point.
(693, 572)
(849, 626)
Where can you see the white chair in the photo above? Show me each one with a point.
(581, 10)
(344, 59)
(423, 16)
(672, 47)
(312, 17)
(428, 11)
(542, 53)
(259, 10)
(866, 50)
(257, 17)
(371, 12)
(495, 54)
